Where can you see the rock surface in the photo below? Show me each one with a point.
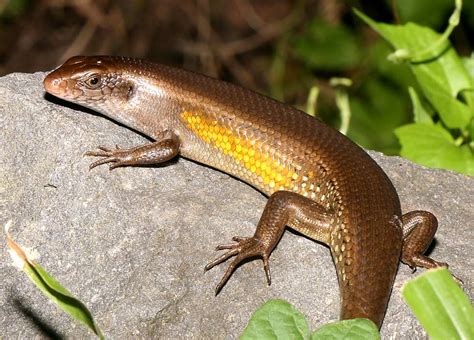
(132, 243)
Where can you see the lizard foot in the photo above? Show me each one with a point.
(423, 261)
(151, 153)
(428, 263)
(117, 157)
(246, 247)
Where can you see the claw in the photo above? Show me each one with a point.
(266, 267)
(93, 153)
(114, 157)
(102, 161)
(227, 274)
(245, 247)
(115, 165)
(239, 239)
(101, 151)
(105, 149)
(227, 246)
(221, 259)
(233, 245)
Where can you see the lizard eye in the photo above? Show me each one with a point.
(93, 81)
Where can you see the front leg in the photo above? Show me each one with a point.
(283, 208)
(163, 149)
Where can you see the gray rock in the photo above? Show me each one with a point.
(132, 243)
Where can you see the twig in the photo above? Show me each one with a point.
(395, 12)
(205, 35)
(247, 12)
(81, 41)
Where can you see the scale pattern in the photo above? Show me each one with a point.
(353, 207)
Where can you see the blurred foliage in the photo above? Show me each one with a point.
(441, 134)
(282, 48)
(10, 9)
(381, 101)
(321, 44)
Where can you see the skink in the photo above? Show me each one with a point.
(318, 181)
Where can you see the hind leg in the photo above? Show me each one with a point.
(419, 228)
(283, 208)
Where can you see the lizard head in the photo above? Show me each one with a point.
(124, 89)
(95, 82)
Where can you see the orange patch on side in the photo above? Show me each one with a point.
(244, 152)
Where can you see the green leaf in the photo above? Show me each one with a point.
(433, 146)
(276, 319)
(321, 44)
(440, 73)
(51, 288)
(62, 297)
(355, 329)
(468, 63)
(440, 305)
(421, 113)
(469, 94)
(453, 113)
(471, 131)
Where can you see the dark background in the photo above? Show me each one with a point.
(279, 48)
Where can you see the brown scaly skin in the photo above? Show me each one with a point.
(318, 181)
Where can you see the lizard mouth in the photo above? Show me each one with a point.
(54, 84)
(59, 85)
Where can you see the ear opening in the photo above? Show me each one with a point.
(130, 90)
